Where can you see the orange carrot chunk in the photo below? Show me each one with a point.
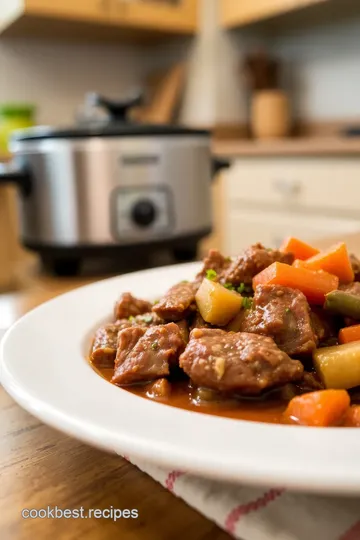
(321, 408)
(352, 416)
(335, 260)
(300, 249)
(298, 263)
(314, 285)
(350, 333)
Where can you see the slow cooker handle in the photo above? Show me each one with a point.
(11, 173)
(117, 109)
(218, 165)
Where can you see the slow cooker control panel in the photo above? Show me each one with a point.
(138, 212)
(144, 212)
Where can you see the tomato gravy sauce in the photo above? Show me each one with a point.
(269, 410)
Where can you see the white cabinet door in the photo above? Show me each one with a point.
(245, 227)
(315, 184)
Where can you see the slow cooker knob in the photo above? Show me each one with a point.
(143, 213)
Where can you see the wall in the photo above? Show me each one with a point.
(56, 75)
(322, 68)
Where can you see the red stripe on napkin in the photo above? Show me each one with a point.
(171, 479)
(353, 533)
(242, 509)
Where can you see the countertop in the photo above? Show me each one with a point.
(296, 146)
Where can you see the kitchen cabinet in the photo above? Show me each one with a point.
(177, 16)
(247, 227)
(94, 19)
(267, 199)
(236, 13)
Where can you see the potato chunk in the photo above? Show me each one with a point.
(339, 366)
(217, 305)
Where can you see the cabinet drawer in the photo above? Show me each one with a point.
(243, 228)
(313, 183)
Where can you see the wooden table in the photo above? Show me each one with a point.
(40, 467)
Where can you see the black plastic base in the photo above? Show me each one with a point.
(68, 260)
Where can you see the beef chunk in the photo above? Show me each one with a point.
(129, 306)
(199, 322)
(145, 354)
(237, 362)
(324, 324)
(105, 343)
(318, 327)
(147, 319)
(178, 302)
(105, 340)
(355, 263)
(214, 261)
(352, 288)
(252, 261)
(310, 382)
(283, 314)
(184, 330)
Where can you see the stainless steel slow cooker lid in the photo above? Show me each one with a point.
(117, 125)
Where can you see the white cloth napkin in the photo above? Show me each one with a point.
(248, 513)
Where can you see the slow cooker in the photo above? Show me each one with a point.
(110, 187)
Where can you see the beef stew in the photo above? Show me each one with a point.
(269, 336)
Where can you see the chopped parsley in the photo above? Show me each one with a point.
(244, 288)
(287, 310)
(131, 318)
(229, 286)
(155, 346)
(147, 318)
(184, 281)
(227, 259)
(247, 303)
(211, 274)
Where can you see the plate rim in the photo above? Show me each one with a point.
(155, 451)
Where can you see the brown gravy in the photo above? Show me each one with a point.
(268, 410)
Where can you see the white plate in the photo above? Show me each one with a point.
(44, 368)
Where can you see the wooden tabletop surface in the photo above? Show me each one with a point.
(40, 467)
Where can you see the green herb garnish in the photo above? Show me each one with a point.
(131, 318)
(184, 281)
(287, 310)
(147, 318)
(229, 286)
(247, 303)
(155, 346)
(211, 274)
(241, 288)
(227, 259)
